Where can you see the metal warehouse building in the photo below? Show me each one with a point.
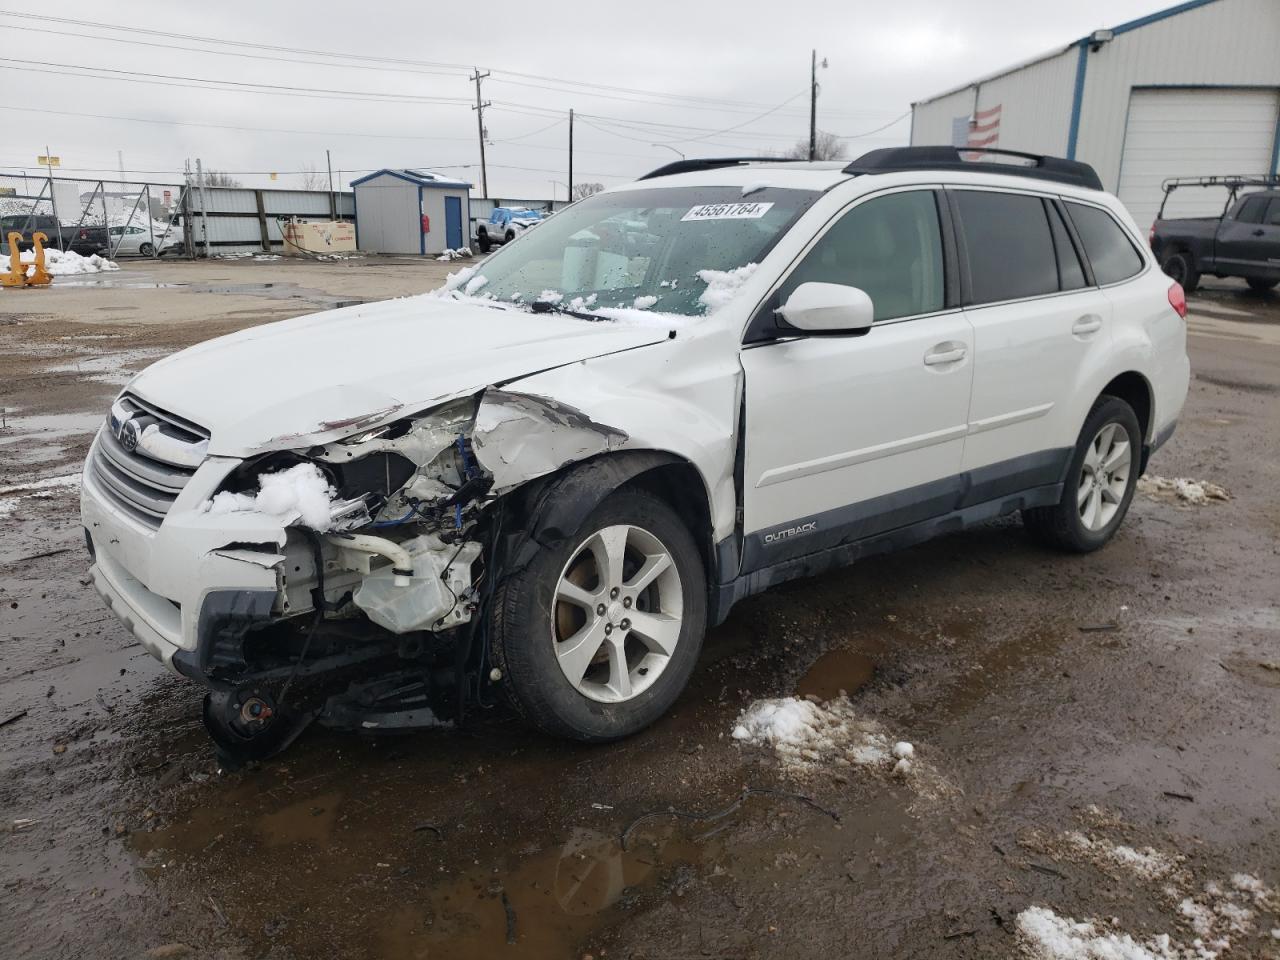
(1190, 91)
(411, 211)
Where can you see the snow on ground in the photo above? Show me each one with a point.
(63, 264)
(12, 496)
(806, 734)
(299, 493)
(1209, 921)
(1196, 492)
(723, 285)
(458, 254)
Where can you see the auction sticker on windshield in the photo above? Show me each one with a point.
(727, 211)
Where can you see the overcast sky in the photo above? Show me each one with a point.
(702, 78)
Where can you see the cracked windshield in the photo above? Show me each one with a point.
(666, 250)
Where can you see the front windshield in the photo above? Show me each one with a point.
(642, 249)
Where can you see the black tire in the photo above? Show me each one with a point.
(483, 242)
(1180, 266)
(1061, 525)
(1258, 285)
(146, 250)
(510, 236)
(523, 633)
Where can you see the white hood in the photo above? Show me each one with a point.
(316, 378)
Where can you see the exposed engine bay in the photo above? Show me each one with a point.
(392, 543)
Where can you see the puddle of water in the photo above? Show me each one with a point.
(836, 672)
(276, 291)
(116, 368)
(47, 427)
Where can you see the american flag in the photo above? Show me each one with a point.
(980, 130)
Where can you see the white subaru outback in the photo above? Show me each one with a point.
(546, 480)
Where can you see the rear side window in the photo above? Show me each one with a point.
(1009, 245)
(1108, 247)
(1070, 272)
(1273, 213)
(890, 247)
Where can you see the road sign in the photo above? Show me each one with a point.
(49, 161)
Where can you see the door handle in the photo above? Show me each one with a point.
(1259, 232)
(1089, 323)
(949, 355)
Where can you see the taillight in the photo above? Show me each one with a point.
(1178, 300)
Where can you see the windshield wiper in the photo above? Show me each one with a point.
(546, 306)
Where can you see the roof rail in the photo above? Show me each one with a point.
(892, 159)
(710, 163)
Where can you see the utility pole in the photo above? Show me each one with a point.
(204, 207)
(813, 106)
(479, 109)
(120, 161)
(53, 201)
(570, 197)
(333, 203)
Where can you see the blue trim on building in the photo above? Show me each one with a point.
(1077, 98)
(1160, 15)
(355, 218)
(1275, 148)
(422, 237)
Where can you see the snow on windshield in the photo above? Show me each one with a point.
(680, 252)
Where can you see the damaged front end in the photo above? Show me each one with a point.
(384, 567)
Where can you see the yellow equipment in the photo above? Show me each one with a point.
(17, 275)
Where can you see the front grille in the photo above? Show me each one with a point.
(144, 481)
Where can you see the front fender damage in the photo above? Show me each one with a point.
(383, 586)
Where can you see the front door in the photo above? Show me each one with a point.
(1249, 245)
(453, 222)
(850, 436)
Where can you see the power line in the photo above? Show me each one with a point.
(400, 64)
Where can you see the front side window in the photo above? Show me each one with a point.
(1273, 212)
(650, 249)
(1252, 210)
(1009, 246)
(1109, 249)
(890, 247)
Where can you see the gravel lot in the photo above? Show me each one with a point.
(1068, 713)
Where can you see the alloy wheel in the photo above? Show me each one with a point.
(1104, 476)
(617, 613)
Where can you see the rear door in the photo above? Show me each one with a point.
(848, 436)
(1038, 321)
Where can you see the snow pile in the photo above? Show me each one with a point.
(582, 304)
(474, 284)
(805, 734)
(1195, 492)
(63, 263)
(754, 186)
(1148, 863)
(644, 303)
(43, 489)
(299, 493)
(1047, 936)
(723, 285)
(458, 254)
(453, 282)
(547, 296)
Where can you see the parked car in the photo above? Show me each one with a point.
(84, 240)
(1243, 242)
(564, 466)
(504, 225)
(142, 241)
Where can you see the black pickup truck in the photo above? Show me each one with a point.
(85, 240)
(1243, 242)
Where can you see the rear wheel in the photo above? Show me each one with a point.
(1181, 267)
(146, 250)
(598, 635)
(1100, 482)
(1259, 285)
(483, 242)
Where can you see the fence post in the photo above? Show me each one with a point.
(262, 221)
(188, 232)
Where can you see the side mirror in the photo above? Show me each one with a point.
(828, 308)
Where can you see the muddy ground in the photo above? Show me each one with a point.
(1131, 697)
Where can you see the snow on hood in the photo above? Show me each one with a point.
(316, 378)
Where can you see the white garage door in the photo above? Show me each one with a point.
(1193, 133)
